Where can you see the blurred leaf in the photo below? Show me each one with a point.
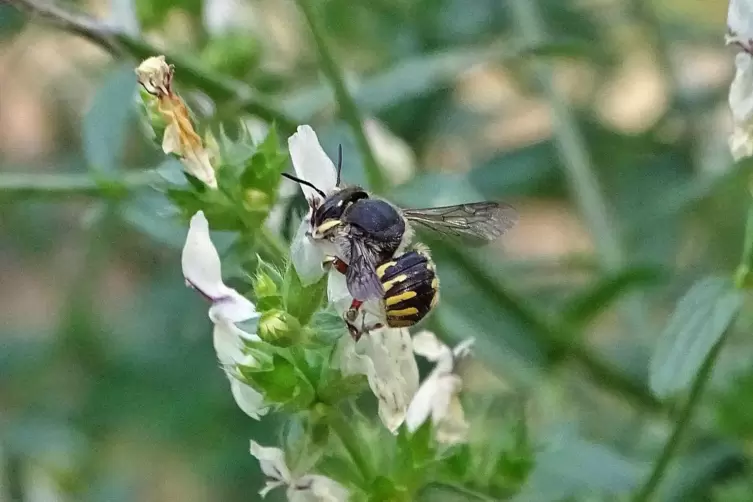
(698, 322)
(406, 80)
(598, 298)
(573, 467)
(105, 125)
(11, 20)
(687, 479)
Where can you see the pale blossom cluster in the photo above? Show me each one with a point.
(740, 34)
(385, 356)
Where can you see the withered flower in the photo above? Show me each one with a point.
(155, 75)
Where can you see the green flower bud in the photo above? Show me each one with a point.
(279, 328)
(256, 200)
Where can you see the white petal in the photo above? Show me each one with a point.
(453, 429)
(463, 348)
(311, 163)
(227, 343)
(316, 488)
(337, 292)
(232, 307)
(271, 462)
(200, 260)
(247, 399)
(740, 18)
(392, 372)
(426, 344)
(421, 405)
(307, 256)
(271, 485)
(741, 106)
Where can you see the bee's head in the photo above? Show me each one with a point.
(327, 212)
(327, 216)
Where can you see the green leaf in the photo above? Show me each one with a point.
(284, 385)
(299, 300)
(697, 324)
(599, 297)
(571, 467)
(105, 125)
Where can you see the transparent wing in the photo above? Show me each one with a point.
(476, 223)
(361, 277)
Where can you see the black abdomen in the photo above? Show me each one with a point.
(411, 288)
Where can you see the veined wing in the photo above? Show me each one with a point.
(476, 223)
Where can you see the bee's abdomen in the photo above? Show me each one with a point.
(411, 288)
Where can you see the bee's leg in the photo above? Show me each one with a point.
(350, 316)
(336, 262)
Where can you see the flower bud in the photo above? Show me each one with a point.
(279, 328)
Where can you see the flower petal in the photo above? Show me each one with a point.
(741, 106)
(337, 292)
(307, 256)
(316, 488)
(271, 485)
(232, 307)
(200, 260)
(426, 344)
(248, 399)
(271, 462)
(740, 19)
(453, 429)
(421, 405)
(392, 372)
(311, 163)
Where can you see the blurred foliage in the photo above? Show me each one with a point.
(108, 381)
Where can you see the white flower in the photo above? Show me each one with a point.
(740, 21)
(303, 488)
(385, 356)
(741, 105)
(438, 395)
(313, 165)
(393, 154)
(203, 271)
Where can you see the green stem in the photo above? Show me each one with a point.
(468, 493)
(218, 87)
(743, 278)
(557, 335)
(659, 469)
(353, 445)
(571, 145)
(348, 108)
(51, 185)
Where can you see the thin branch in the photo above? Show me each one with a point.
(659, 469)
(572, 146)
(345, 101)
(54, 185)
(218, 87)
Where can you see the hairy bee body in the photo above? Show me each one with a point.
(411, 288)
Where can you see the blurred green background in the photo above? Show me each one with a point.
(109, 386)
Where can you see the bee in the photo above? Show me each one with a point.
(411, 290)
(372, 236)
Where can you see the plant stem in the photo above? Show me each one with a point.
(683, 422)
(218, 87)
(345, 101)
(563, 342)
(51, 185)
(743, 273)
(352, 445)
(571, 145)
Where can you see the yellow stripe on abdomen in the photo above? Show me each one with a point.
(407, 295)
(403, 312)
(388, 284)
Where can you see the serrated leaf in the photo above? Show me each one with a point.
(105, 125)
(697, 324)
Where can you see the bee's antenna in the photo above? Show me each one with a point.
(339, 163)
(304, 182)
